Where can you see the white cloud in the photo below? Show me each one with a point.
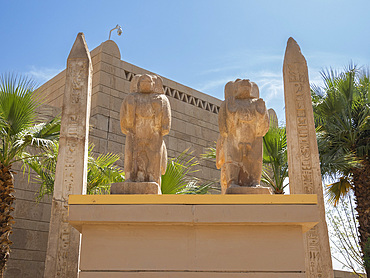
(41, 75)
(214, 84)
(270, 88)
(270, 83)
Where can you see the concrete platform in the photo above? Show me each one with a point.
(192, 235)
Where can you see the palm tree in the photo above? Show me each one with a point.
(275, 159)
(18, 130)
(101, 171)
(342, 116)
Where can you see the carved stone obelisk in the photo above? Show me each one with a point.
(71, 171)
(303, 156)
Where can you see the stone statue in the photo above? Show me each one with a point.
(243, 121)
(145, 119)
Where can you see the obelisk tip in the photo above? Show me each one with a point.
(79, 48)
(293, 51)
(292, 44)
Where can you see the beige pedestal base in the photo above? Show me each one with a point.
(248, 190)
(135, 188)
(254, 236)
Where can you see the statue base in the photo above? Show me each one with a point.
(236, 189)
(200, 236)
(128, 187)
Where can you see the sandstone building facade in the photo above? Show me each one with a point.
(194, 126)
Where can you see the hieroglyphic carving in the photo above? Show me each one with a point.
(303, 157)
(71, 170)
(77, 71)
(64, 243)
(297, 79)
(312, 239)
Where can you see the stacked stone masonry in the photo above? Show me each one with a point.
(194, 126)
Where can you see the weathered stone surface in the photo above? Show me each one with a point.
(219, 240)
(303, 156)
(243, 121)
(273, 118)
(202, 119)
(27, 269)
(237, 189)
(135, 188)
(71, 170)
(145, 119)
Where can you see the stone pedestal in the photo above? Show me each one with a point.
(248, 190)
(135, 188)
(192, 235)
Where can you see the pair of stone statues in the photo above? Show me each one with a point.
(146, 118)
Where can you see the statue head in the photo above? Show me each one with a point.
(147, 84)
(241, 89)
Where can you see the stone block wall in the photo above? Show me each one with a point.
(194, 114)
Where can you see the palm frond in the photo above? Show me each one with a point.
(102, 172)
(342, 117)
(338, 190)
(18, 102)
(275, 159)
(178, 177)
(210, 152)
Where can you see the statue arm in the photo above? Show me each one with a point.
(127, 114)
(263, 118)
(222, 125)
(166, 116)
(220, 154)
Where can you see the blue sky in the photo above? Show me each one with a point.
(202, 44)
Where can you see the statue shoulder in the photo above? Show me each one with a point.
(163, 98)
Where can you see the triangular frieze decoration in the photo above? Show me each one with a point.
(192, 101)
(176, 94)
(126, 74)
(167, 91)
(209, 107)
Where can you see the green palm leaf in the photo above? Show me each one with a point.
(101, 171)
(18, 101)
(178, 179)
(275, 159)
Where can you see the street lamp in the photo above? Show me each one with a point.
(119, 30)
